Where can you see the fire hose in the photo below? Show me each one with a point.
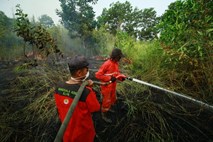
(202, 104)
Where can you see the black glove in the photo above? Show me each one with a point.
(113, 79)
(121, 77)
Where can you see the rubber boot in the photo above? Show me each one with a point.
(105, 118)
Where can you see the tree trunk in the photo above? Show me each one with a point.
(24, 50)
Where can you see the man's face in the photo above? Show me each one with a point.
(82, 72)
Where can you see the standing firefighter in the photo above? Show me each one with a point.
(80, 127)
(109, 72)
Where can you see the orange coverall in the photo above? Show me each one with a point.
(108, 69)
(80, 127)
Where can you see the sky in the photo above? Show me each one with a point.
(37, 8)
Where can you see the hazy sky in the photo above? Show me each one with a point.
(37, 8)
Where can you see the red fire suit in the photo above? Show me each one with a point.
(80, 127)
(108, 69)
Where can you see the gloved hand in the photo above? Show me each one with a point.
(113, 79)
(90, 83)
(121, 77)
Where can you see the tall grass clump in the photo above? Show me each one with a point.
(144, 58)
(29, 112)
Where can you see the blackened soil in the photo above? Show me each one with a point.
(6, 76)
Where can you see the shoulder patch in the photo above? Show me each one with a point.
(71, 91)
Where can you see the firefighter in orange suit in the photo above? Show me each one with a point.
(80, 127)
(109, 72)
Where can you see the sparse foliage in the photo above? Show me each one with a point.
(35, 35)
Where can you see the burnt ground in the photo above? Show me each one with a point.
(6, 75)
(200, 117)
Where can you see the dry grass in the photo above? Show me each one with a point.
(29, 112)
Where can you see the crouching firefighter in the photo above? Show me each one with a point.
(80, 127)
(109, 72)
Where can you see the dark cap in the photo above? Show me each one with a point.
(77, 62)
(116, 52)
